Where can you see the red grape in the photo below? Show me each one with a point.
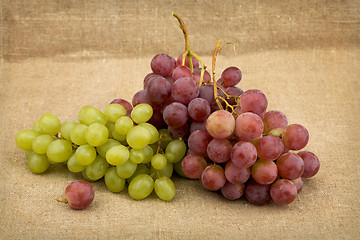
(198, 142)
(199, 109)
(195, 125)
(295, 137)
(148, 78)
(256, 193)
(157, 119)
(311, 163)
(299, 183)
(269, 147)
(231, 76)
(264, 172)
(235, 174)
(79, 194)
(273, 120)
(175, 114)
(180, 72)
(158, 90)
(290, 166)
(243, 154)
(213, 177)
(283, 191)
(184, 90)
(193, 165)
(163, 65)
(232, 191)
(249, 127)
(220, 124)
(255, 101)
(142, 97)
(219, 150)
(180, 132)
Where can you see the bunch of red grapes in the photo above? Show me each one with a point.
(235, 146)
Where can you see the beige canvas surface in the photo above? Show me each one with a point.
(58, 56)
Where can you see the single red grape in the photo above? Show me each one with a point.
(290, 166)
(232, 191)
(295, 137)
(213, 177)
(283, 191)
(311, 163)
(193, 165)
(256, 193)
(79, 194)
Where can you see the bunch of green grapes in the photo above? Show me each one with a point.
(109, 145)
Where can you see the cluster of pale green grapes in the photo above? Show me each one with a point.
(110, 145)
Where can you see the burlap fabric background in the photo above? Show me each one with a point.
(60, 55)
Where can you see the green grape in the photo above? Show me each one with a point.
(66, 129)
(119, 137)
(52, 162)
(165, 172)
(114, 111)
(123, 125)
(38, 163)
(141, 186)
(102, 149)
(175, 151)
(153, 132)
(40, 143)
(178, 169)
(164, 188)
(24, 139)
(141, 169)
(113, 181)
(77, 134)
(165, 138)
(137, 156)
(110, 126)
(138, 137)
(36, 126)
(85, 154)
(158, 161)
(59, 150)
(127, 169)
(117, 155)
(27, 153)
(50, 124)
(97, 168)
(149, 153)
(96, 134)
(89, 115)
(85, 177)
(141, 113)
(73, 165)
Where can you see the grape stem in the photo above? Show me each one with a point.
(189, 52)
(159, 150)
(216, 96)
(62, 200)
